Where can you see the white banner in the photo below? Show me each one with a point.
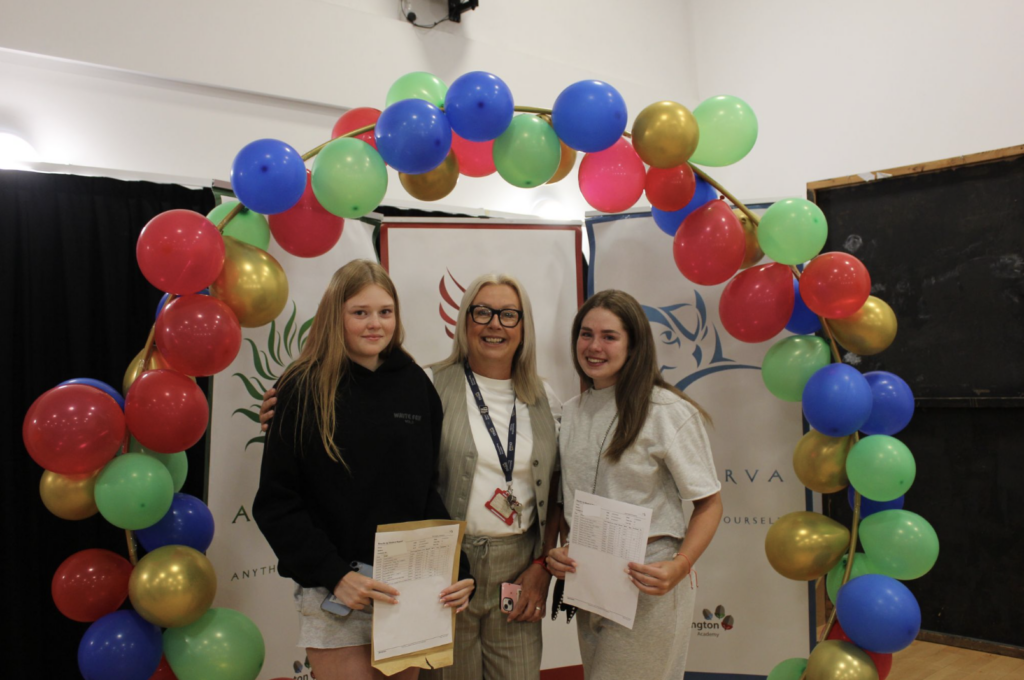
(247, 578)
(433, 261)
(748, 617)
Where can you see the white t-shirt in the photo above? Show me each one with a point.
(499, 395)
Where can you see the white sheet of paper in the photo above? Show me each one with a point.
(606, 536)
(419, 565)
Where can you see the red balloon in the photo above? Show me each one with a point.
(835, 285)
(353, 119)
(166, 411)
(883, 662)
(475, 158)
(164, 672)
(710, 244)
(198, 335)
(306, 229)
(756, 305)
(73, 429)
(91, 584)
(612, 180)
(670, 189)
(180, 252)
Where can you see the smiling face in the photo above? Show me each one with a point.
(369, 325)
(602, 347)
(493, 346)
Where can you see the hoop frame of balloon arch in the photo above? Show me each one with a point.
(801, 545)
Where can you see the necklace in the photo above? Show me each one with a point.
(600, 451)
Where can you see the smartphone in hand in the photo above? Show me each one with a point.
(335, 606)
(510, 593)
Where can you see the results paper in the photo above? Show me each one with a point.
(606, 536)
(419, 564)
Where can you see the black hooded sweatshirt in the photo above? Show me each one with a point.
(320, 516)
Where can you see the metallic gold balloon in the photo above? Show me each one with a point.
(868, 331)
(434, 184)
(135, 369)
(820, 462)
(838, 660)
(665, 134)
(252, 283)
(172, 586)
(565, 165)
(69, 496)
(804, 545)
(753, 253)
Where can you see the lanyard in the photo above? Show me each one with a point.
(507, 461)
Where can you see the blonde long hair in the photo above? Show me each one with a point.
(323, 363)
(638, 376)
(525, 381)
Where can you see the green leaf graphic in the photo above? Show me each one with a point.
(267, 361)
(273, 339)
(289, 331)
(257, 362)
(303, 330)
(249, 386)
(261, 439)
(254, 417)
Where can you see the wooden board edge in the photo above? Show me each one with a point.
(971, 643)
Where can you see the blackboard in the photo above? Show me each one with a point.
(944, 243)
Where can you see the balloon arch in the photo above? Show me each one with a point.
(125, 460)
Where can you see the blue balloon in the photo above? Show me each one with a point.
(669, 222)
(879, 613)
(479, 106)
(188, 522)
(163, 300)
(120, 646)
(869, 507)
(892, 403)
(837, 400)
(589, 116)
(268, 176)
(413, 136)
(102, 386)
(802, 321)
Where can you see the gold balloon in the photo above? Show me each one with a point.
(839, 660)
(868, 331)
(753, 253)
(435, 184)
(252, 283)
(665, 134)
(565, 164)
(172, 586)
(156, 360)
(820, 462)
(804, 545)
(69, 496)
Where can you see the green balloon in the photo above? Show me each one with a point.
(176, 463)
(792, 231)
(222, 645)
(247, 226)
(791, 362)
(728, 130)
(134, 491)
(418, 85)
(881, 467)
(527, 153)
(862, 565)
(900, 543)
(349, 177)
(790, 669)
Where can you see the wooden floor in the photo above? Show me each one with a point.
(929, 661)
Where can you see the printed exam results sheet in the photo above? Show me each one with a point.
(418, 563)
(606, 536)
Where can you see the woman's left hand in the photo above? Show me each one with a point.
(457, 594)
(534, 581)
(658, 578)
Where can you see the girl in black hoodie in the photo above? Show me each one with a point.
(354, 444)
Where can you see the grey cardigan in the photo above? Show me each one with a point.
(459, 454)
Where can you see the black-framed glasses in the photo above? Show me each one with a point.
(509, 318)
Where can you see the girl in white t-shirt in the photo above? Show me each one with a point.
(633, 437)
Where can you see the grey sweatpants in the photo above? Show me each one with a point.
(655, 649)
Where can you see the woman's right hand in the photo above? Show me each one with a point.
(357, 591)
(559, 563)
(267, 409)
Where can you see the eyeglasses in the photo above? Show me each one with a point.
(509, 318)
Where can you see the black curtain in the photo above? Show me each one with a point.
(74, 305)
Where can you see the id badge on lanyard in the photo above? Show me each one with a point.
(503, 504)
(505, 507)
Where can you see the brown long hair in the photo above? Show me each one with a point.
(324, 361)
(639, 374)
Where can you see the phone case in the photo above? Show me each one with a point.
(510, 593)
(337, 607)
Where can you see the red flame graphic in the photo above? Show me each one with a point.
(446, 297)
